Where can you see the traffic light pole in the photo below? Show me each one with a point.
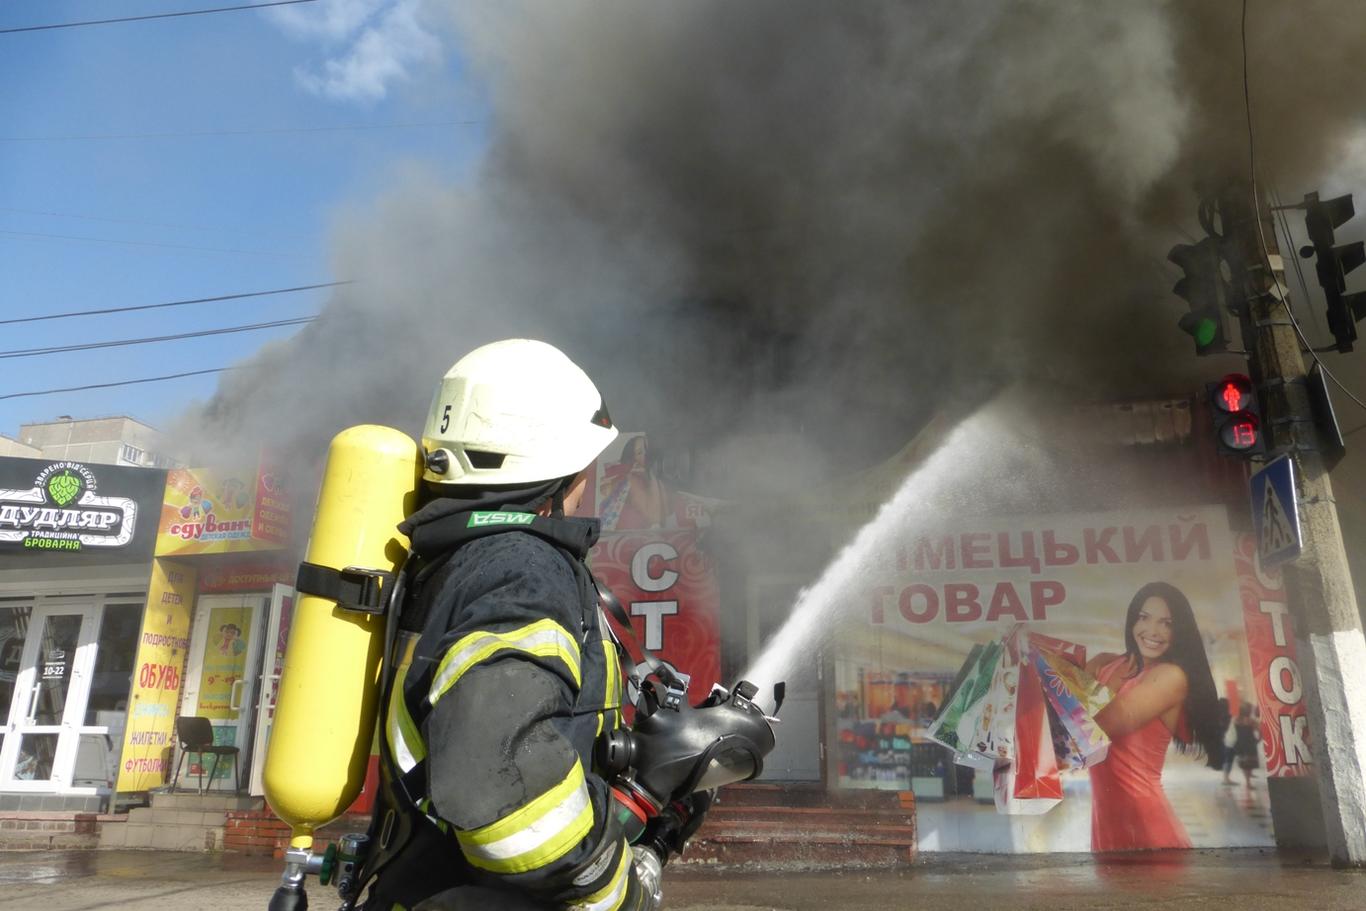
(1332, 650)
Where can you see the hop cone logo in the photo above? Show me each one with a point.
(63, 487)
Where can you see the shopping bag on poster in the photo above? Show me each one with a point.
(1074, 652)
(1032, 783)
(994, 735)
(1067, 750)
(963, 708)
(1075, 698)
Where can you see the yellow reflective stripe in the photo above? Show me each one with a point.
(613, 686)
(544, 638)
(405, 741)
(610, 896)
(535, 834)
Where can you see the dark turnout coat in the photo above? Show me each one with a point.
(489, 731)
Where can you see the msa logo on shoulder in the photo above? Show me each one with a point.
(480, 519)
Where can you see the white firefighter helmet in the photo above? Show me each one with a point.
(514, 412)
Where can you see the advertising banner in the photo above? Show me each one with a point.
(667, 584)
(650, 555)
(1275, 673)
(218, 511)
(71, 513)
(253, 575)
(225, 662)
(162, 645)
(1157, 583)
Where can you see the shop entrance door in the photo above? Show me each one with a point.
(221, 683)
(273, 663)
(47, 706)
(799, 753)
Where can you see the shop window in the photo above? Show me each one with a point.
(36, 754)
(114, 659)
(13, 627)
(56, 654)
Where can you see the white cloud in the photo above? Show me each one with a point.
(369, 45)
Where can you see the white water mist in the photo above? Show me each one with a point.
(818, 608)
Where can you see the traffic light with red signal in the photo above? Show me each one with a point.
(1237, 416)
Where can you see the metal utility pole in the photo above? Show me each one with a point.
(1332, 650)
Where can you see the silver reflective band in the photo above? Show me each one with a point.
(544, 638)
(527, 840)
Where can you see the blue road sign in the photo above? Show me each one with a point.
(1275, 512)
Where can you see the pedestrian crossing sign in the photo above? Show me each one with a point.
(1275, 512)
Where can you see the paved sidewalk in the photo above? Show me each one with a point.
(1239, 880)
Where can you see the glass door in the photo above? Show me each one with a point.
(221, 682)
(273, 662)
(49, 690)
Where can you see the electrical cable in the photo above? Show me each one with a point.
(122, 343)
(146, 379)
(1261, 233)
(144, 243)
(180, 303)
(261, 131)
(1278, 213)
(192, 12)
(122, 221)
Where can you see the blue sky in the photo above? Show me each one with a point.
(269, 197)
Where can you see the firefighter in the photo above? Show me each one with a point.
(489, 797)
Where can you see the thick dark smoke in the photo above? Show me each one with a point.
(816, 219)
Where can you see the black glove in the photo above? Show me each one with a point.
(669, 832)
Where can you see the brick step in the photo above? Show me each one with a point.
(813, 816)
(48, 841)
(771, 856)
(805, 794)
(260, 832)
(782, 831)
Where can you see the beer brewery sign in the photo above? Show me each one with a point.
(64, 511)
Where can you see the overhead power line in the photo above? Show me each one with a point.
(122, 343)
(180, 303)
(250, 131)
(1257, 211)
(191, 12)
(177, 226)
(146, 379)
(142, 243)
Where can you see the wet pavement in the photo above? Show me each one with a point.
(1243, 880)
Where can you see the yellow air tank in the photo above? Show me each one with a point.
(329, 687)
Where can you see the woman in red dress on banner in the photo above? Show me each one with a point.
(1163, 691)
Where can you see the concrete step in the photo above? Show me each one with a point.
(180, 817)
(168, 800)
(170, 837)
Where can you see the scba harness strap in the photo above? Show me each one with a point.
(675, 681)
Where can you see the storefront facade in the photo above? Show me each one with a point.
(76, 544)
(212, 638)
(948, 569)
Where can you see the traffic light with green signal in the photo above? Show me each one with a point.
(1206, 291)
